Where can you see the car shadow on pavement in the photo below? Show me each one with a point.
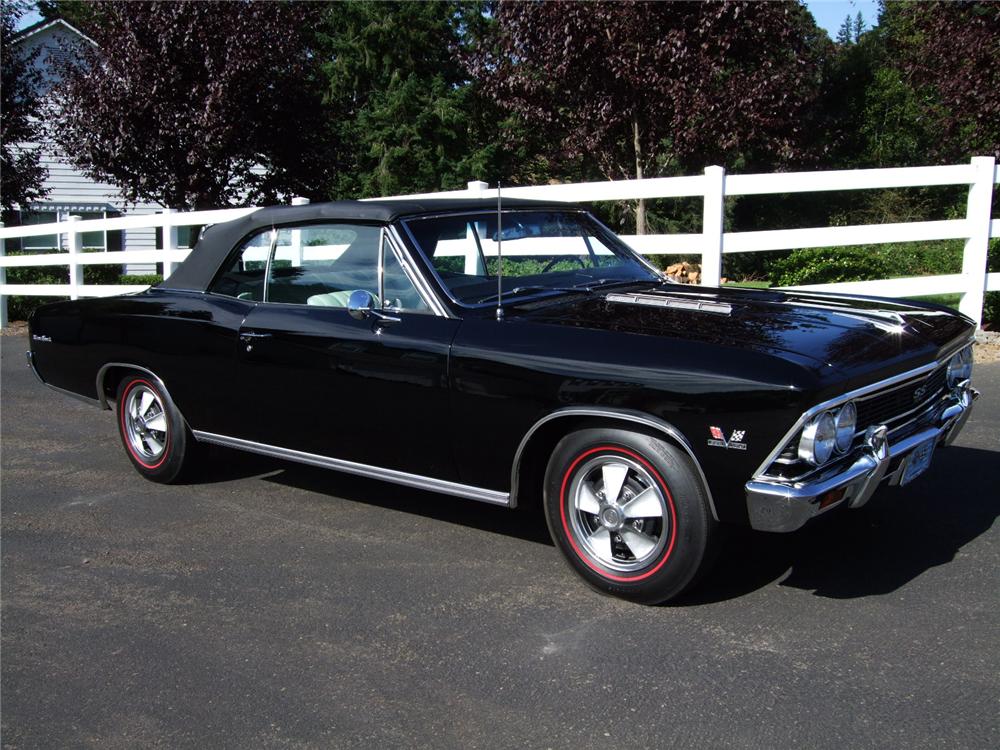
(871, 551)
(522, 523)
(217, 464)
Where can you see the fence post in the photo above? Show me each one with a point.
(974, 257)
(713, 226)
(3, 280)
(170, 241)
(296, 240)
(478, 187)
(74, 241)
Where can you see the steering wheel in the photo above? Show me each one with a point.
(557, 259)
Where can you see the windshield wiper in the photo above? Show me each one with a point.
(576, 288)
(592, 285)
(535, 288)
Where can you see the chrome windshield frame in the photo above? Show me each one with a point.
(427, 262)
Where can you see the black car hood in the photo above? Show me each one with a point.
(835, 333)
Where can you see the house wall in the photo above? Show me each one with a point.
(69, 190)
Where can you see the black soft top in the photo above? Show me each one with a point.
(199, 268)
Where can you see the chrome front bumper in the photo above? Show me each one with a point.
(777, 506)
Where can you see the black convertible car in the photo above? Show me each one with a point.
(516, 356)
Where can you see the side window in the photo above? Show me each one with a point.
(318, 264)
(321, 264)
(400, 293)
(244, 279)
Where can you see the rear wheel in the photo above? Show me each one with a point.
(155, 436)
(629, 513)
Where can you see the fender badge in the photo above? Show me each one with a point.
(39, 337)
(735, 442)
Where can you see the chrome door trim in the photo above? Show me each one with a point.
(622, 415)
(365, 470)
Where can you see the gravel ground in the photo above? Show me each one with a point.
(987, 346)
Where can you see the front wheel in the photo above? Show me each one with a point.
(156, 439)
(629, 513)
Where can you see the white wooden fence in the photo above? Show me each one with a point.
(978, 226)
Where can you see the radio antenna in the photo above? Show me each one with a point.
(499, 257)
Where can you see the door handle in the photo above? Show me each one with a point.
(250, 337)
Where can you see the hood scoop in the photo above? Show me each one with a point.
(676, 303)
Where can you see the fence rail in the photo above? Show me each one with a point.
(978, 226)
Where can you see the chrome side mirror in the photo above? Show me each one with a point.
(361, 306)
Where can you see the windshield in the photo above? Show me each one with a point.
(542, 251)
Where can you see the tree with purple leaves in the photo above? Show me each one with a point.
(197, 105)
(949, 52)
(643, 89)
(21, 172)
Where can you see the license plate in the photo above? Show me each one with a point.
(918, 461)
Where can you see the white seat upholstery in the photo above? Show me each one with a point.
(330, 299)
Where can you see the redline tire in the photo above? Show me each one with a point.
(629, 513)
(155, 437)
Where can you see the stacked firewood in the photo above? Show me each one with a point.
(685, 273)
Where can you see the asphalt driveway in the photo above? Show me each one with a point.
(276, 605)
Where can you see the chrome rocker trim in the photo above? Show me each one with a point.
(372, 472)
(782, 507)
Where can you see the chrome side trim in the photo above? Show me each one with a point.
(372, 472)
(624, 415)
(102, 399)
(857, 393)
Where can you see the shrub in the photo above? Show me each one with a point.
(145, 279)
(21, 307)
(991, 305)
(828, 265)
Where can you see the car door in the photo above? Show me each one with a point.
(369, 387)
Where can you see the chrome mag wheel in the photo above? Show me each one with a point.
(618, 513)
(145, 423)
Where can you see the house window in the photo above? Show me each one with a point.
(45, 243)
(49, 243)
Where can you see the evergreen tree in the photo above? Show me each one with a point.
(409, 117)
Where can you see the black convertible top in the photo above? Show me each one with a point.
(199, 268)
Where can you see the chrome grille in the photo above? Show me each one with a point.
(893, 405)
(896, 408)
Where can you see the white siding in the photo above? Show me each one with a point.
(69, 187)
(70, 191)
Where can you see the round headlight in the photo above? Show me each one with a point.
(846, 422)
(819, 437)
(960, 367)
